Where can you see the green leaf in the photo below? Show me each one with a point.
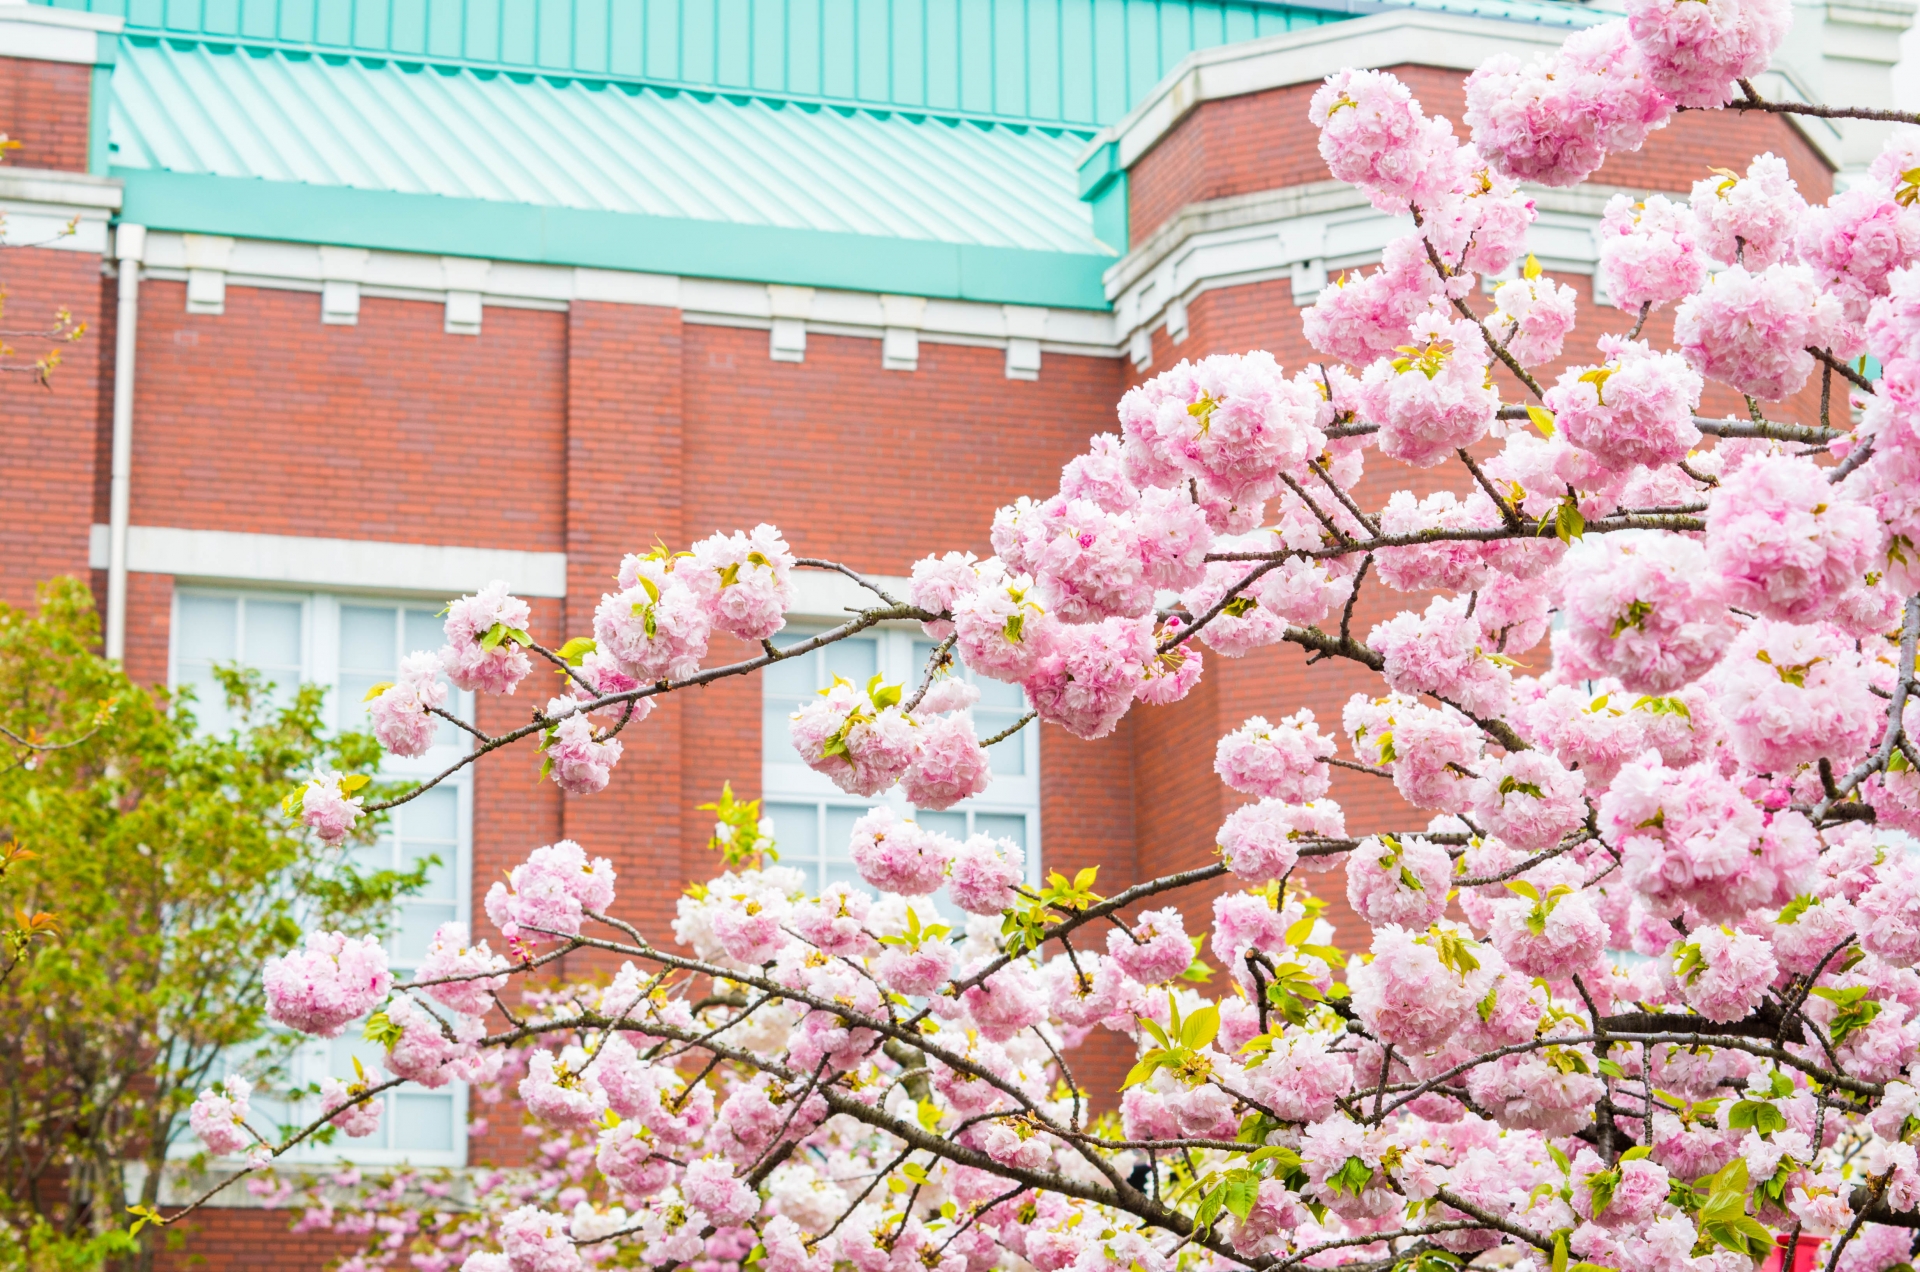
(381, 1029)
(1523, 888)
(1200, 1028)
(351, 782)
(1352, 1177)
(377, 690)
(575, 650)
(1242, 1193)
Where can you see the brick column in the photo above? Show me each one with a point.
(624, 491)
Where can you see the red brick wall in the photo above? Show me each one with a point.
(47, 441)
(44, 107)
(262, 419)
(1262, 141)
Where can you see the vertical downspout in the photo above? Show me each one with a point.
(129, 245)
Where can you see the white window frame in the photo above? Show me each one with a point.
(785, 780)
(320, 664)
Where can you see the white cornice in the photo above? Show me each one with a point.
(431, 569)
(1398, 38)
(304, 267)
(42, 33)
(1306, 234)
(45, 207)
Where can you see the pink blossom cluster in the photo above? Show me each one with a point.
(1634, 409)
(1287, 761)
(400, 714)
(334, 980)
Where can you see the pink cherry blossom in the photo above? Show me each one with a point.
(219, 1117)
(657, 627)
(1441, 652)
(356, 1120)
(1407, 996)
(1533, 319)
(751, 588)
(1002, 629)
(949, 764)
(984, 873)
(1287, 761)
(1557, 118)
(1748, 220)
(1792, 695)
(1854, 243)
(1648, 253)
(1435, 400)
(1530, 800)
(334, 980)
(1358, 318)
(327, 810)
(1642, 613)
(1374, 134)
(471, 662)
(580, 763)
(399, 714)
(480, 972)
(1636, 408)
(1257, 840)
(1398, 881)
(1170, 675)
(858, 738)
(1752, 330)
(1086, 682)
(1785, 543)
(1154, 949)
(898, 856)
(549, 893)
(1695, 52)
(710, 1186)
(1724, 974)
(939, 582)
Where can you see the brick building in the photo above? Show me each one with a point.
(390, 300)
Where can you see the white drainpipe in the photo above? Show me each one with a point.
(129, 245)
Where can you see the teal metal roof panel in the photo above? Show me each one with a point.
(195, 109)
(1072, 62)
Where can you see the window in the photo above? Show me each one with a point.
(813, 819)
(348, 645)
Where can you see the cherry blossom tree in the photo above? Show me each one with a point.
(1640, 994)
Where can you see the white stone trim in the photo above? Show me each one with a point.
(44, 34)
(39, 204)
(469, 286)
(825, 596)
(430, 569)
(1305, 233)
(1399, 37)
(1458, 42)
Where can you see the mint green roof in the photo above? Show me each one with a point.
(411, 157)
(1063, 62)
(926, 147)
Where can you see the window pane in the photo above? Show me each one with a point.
(423, 1123)
(425, 631)
(273, 637)
(1008, 756)
(207, 629)
(954, 824)
(796, 832)
(995, 696)
(433, 815)
(367, 639)
(419, 920)
(854, 659)
(840, 832)
(1002, 826)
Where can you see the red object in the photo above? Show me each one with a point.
(1803, 1255)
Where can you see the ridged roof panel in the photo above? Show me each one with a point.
(238, 111)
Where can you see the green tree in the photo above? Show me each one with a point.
(146, 872)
